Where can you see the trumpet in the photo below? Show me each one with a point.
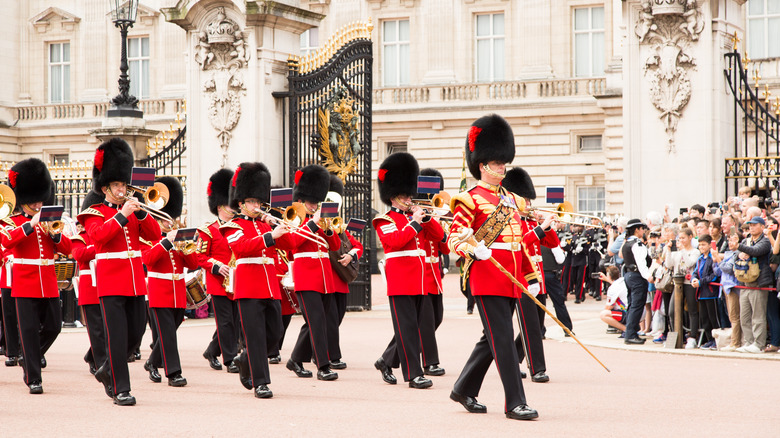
(563, 210)
(331, 223)
(439, 203)
(52, 227)
(7, 201)
(151, 195)
(186, 247)
(293, 217)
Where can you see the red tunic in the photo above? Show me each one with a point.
(84, 253)
(33, 249)
(311, 265)
(5, 277)
(404, 245)
(255, 251)
(340, 285)
(214, 253)
(433, 251)
(165, 271)
(471, 209)
(119, 268)
(534, 237)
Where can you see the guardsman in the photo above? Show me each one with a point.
(432, 313)
(13, 351)
(490, 212)
(116, 227)
(255, 284)
(312, 274)
(598, 244)
(84, 253)
(579, 248)
(34, 282)
(403, 231)
(289, 302)
(165, 261)
(338, 308)
(529, 340)
(214, 256)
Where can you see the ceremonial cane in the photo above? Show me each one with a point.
(467, 235)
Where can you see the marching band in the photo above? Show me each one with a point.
(262, 265)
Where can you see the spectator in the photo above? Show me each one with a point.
(728, 283)
(753, 299)
(718, 238)
(703, 275)
(728, 221)
(682, 263)
(614, 313)
(745, 192)
(773, 304)
(752, 212)
(616, 241)
(702, 228)
(696, 211)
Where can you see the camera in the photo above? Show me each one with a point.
(595, 275)
(683, 210)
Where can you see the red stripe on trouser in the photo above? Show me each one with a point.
(492, 344)
(108, 343)
(311, 332)
(160, 340)
(216, 321)
(401, 341)
(21, 342)
(246, 344)
(581, 286)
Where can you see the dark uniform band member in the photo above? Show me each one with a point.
(165, 261)
(490, 145)
(432, 313)
(34, 282)
(255, 285)
(214, 256)
(116, 227)
(403, 231)
(84, 254)
(636, 262)
(312, 274)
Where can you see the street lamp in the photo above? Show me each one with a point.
(123, 14)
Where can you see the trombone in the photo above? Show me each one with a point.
(563, 210)
(292, 217)
(438, 205)
(151, 196)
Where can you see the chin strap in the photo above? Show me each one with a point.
(492, 172)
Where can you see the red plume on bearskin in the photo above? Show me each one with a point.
(99, 159)
(473, 134)
(381, 174)
(298, 175)
(12, 178)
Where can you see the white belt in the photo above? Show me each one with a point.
(118, 255)
(36, 262)
(509, 246)
(432, 260)
(85, 273)
(255, 261)
(164, 276)
(409, 253)
(310, 255)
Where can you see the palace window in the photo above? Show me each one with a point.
(589, 41)
(590, 200)
(589, 143)
(490, 57)
(398, 146)
(763, 28)
(395, 53)
(59, 72)
(138, 61)
(310, 41)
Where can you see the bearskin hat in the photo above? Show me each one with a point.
(397, 176)
(175, 196)
(52, 200)
(430, 172)
(113, 162)
(519, 182)
(336, 185)
(31, 181)
(311, 184)
(251, 180)
(218, 190)
(91, 199)
(490, 138)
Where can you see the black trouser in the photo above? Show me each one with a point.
(552, 283)
(467, 293)
(274, 350)
(496, 344)
(166, 350)
(124, 318)
(709, 317)
(637, 295)
(689, 293)
(225, 338)
(40, 321)
(338, 308)
(96, 330)
(578, 281)
(152, 326)
(10, 324)
(593, 267)
(667, 297)
(261, 323)
(529, 337)
(405, 346)
(313, 337)
(542, 298)
(431, 316)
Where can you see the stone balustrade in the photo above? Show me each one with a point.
(93, 110)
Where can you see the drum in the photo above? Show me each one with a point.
(196, 292)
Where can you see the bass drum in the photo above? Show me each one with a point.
(196, 291)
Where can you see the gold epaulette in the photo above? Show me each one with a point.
(383, 216)
(79, 238)
(9, 222)
(205, 229)
(91, 211)
(231, 224)
(464, 198)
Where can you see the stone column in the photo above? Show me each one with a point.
(236, 58)
(439, 46)
(535, 37)
(677, 110)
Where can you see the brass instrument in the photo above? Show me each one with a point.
(227, 284)
(151, 196)
(331, 223)
(563, 210)
(52, 227)
(438, 205)
(7, 201)
(293, 217)
(186, 247)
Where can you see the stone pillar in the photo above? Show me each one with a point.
(236, 57)
(439, 46)
(535, 20)
(678, 114)
(131, 129)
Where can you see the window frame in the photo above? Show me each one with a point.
(398, 43)
(64, 87)
(590, 31)
(581, 137)
(589, 199)
(141, 93)
(493, 37)
(306, 45)
(764, 17)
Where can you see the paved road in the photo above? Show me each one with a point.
(648, 393)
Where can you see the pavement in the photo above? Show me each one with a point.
(651, 391)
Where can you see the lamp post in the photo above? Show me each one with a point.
(123, 14)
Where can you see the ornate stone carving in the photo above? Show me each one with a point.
(223, 51)
(670, 27)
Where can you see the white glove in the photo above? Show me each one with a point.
(560, 256)
(534, 289)
(482, 252)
